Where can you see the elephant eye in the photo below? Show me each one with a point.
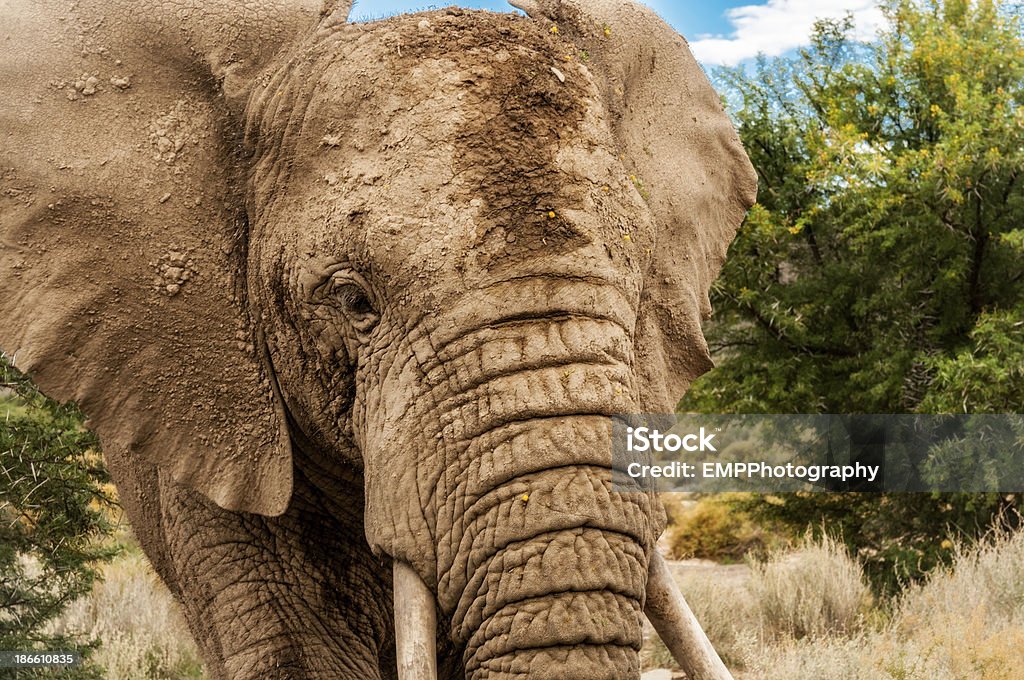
(350, 294)
(355, 301)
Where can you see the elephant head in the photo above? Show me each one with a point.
(439, 250)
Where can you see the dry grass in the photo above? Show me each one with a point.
(967, 621)
(805, 615)
(133, 614)
(718, 610)
(815, 591)
(811, 592)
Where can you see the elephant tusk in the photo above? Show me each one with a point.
(415, 625)
(672, 618)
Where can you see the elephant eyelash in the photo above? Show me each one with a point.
(355, 301)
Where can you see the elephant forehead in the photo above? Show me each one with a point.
(464, 142)
(486, 95)
(347, 89)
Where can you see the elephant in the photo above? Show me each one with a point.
(350, 306)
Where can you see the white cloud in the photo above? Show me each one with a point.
(779, 26)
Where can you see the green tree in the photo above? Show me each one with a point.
(51, 519)
(882, 270)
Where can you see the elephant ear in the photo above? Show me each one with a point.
(123, 237)
(689, 165)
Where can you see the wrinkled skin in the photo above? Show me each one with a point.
(334, 295)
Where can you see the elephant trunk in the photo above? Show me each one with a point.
(550, 574)
(538, 565)
(541, 564)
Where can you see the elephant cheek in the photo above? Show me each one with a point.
(402, 459)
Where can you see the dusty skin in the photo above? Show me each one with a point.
(334, 294)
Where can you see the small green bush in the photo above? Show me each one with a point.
(52, 520)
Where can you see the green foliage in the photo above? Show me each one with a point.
(897, 537)
(985, 376)
(51, 517)
(881, 270)
(886, 243)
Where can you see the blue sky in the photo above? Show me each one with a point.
(720, 31)
(688, 17)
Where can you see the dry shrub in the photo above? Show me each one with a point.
(825, 658)
(143, 635)
(965, 623)
(722, 604)
(710, 529)
(814, 591)
(726, 613)
(990, 577)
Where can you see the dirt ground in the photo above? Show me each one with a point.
(726, 574)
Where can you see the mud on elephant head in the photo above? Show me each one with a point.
(439, 249)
